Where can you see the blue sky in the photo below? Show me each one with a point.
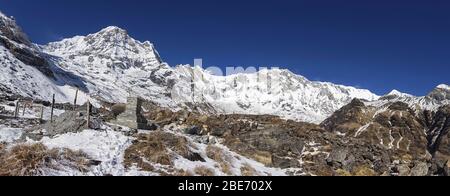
(375, 44)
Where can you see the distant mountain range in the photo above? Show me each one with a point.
(110, 66)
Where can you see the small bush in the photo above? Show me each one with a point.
(182, 173)
(203, 171)
(341, 172)
(364, 171)
(247, 170)
(31, 160)
(160, 148)
(218, 155)
(156, 146)
(152, 150)
(2, 147)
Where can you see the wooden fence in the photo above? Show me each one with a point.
(21, 106)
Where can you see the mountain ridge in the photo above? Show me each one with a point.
(110, 65)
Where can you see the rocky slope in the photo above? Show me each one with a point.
(25, 70)
(357, 140)
(413, 132)
(15, 41)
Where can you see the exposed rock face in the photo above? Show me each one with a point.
(18, 44)
(267, 139)
(420, 169)
(132, 117)
(12, 31)
(441, 93)
(413, 137)
(438, 134)
(393, 126)
(347, 119)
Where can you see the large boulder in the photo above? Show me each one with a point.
(420, 169)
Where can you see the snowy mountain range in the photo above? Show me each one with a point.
(110, 66)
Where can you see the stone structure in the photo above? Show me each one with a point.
(132, 117)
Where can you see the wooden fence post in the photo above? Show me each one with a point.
(41, 116)
(53, 106)
(88, 120)
(16, 111)
(24, 108)
(75, 101)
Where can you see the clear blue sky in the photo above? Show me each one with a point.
(375, 44)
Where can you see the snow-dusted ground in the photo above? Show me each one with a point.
(27, 81)
(108, 146)
(9, 135)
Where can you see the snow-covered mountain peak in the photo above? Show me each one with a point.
(443, 87)
(396, 93)
(2, 15)
(111, 47)
(5, 17)
(114, 29)
(440, 93)
(113, 35)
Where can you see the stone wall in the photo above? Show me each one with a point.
(132, 117)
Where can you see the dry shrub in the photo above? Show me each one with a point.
(31, 160)
(157, 147)
(247, 170)
(342, 172)
(217, 154)
(76, 159)
(364, 171)
(203, 171)
(177, 144)
(2, 146)
(183, 173)
(263, 157)
(150, 150)
(118, 109)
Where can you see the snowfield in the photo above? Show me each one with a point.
(106, 146)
